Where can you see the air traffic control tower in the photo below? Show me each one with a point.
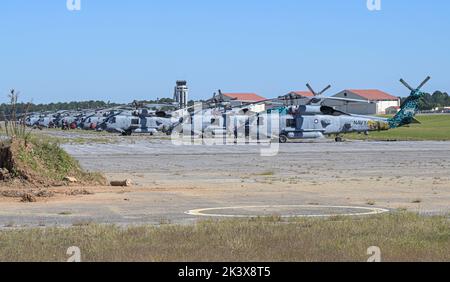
(181, 94)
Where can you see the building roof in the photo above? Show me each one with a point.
(373, 94)
(302, 93)
(245, 97)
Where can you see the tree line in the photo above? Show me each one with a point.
(21, 108)
(431, 101)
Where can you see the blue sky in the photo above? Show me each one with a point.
(124, 50)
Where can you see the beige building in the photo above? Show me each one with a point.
(380, 102)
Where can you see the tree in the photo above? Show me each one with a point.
(21, 108)
(428, 101)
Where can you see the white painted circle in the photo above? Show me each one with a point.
(364, 211)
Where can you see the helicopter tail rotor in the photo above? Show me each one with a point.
(406, 84)
(418, 88)
(424, 82)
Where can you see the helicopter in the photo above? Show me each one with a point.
(212, 117)
(314, 120)
(128, 121)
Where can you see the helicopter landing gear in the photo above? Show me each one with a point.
(127, 133)
(283, 139)
(338, 139)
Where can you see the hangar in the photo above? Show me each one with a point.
(380, 102)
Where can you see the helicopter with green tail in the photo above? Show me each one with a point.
(409, 107)
(315, 120)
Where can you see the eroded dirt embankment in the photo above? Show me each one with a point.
(32, 168)
(5, 160)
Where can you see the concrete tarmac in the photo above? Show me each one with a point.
(171, 180)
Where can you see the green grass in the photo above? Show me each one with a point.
(432, 127)
(266, 173)
(47, 159)
(42, 161)
(400, 236)
(82, 140)
(90, 136)
(80, 131)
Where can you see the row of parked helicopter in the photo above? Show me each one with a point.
(124, 120)
(311, 119)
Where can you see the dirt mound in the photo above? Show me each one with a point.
(41, 163)
(6, 162)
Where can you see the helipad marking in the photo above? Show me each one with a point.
(368, 211)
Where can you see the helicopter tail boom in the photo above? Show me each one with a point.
(409, 108)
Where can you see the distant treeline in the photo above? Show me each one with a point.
(431, 101)
(5, 109)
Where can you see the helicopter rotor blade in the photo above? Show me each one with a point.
(347, 100)
(221, 97)
(220, 93)
(424, 82)
(311, 89)
(325, 89)
(406, 84)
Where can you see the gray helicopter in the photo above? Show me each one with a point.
(213, 117)
(314, 120)
(139, 121)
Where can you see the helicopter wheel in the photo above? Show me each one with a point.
(339, 139)
(283, 139)
(127, 133)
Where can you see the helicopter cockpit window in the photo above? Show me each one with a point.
(113, 120)
(290, 123)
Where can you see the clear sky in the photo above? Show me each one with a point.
(124, 50)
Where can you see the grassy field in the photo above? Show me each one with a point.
(89, 136)
(432, 127)
(400, 236)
